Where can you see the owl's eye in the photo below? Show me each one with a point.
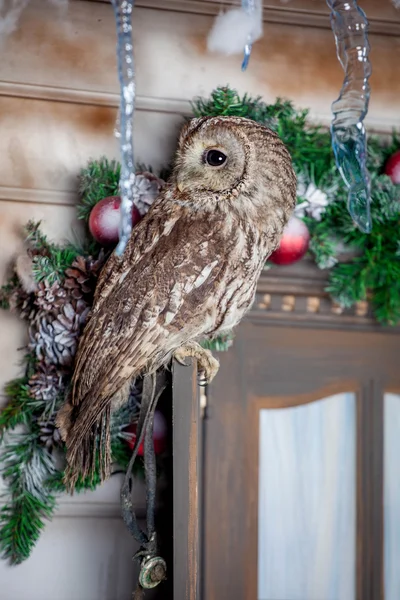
(214, 158)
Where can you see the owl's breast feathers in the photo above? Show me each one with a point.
(183, 276)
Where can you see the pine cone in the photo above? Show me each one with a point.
(46, 383)
(49, 435)
(55, 340)
(50, 297)
(23, 303)
(82, 276)
(148, 187)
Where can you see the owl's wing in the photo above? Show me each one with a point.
(154, 299)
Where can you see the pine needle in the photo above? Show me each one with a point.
(25, 467)
(97, 181)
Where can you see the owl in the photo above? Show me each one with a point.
(189, 272)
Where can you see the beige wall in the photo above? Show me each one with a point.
(58, 99)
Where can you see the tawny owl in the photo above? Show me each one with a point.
(189, 270)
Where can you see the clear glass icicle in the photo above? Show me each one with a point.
(350, 28)
(249, 7)
(253, 8)
(126, 72)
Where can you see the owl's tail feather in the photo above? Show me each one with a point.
(88, 444)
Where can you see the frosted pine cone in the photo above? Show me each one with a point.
(49, 435)
(148, 187)
(50, 297)
(55, 341)
(45, 384)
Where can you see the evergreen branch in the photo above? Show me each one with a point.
(97, 181)
(347, 283)
(121, 453)
(7, 290)
(21, 523)
(56, 485)
(20, 407)
(52, 267)
(220, 343)
(323, 247)
(36, 239)
(25, 467)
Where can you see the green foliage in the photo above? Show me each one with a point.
(26, 465)
(49, 260)
(52, 267)
(36, 238)
(21, 523)
(97, 181)
(20, 407)
(222, 343)
(7, 290)
(55, 483)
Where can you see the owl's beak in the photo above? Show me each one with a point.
(180, 185)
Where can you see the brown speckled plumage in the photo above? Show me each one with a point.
(189, 271)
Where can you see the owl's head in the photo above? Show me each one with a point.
(232, 155)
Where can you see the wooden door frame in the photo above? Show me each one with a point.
(187, 468)
(228, 433)
(369, 484)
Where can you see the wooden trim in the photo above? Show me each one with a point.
(342, 387)
(273, 12)
(37, 196)
(177, 106)
(370, 524)
(297, 295)
(187, 429)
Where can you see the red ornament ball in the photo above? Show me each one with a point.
(392, 167)
(294, 243)
(105, 218)
(159, 435)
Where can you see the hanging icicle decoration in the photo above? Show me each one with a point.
(126, 73)
(249, 8)
(350, 28)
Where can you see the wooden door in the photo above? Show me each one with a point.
(301, 432)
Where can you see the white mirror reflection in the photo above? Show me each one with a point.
(307, 501)
(392, 496)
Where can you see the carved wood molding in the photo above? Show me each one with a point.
(38, 196)
(301, 13)
(297, 295)
(173, 106)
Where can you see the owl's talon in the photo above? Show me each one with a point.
(181, 361)
(207, 365)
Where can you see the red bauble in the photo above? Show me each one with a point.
(392, 167)
(159, 435)
(105, 218)
(294, 243)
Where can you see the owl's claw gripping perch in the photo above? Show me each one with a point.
(207, 365)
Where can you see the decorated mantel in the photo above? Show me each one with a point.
(333, 253)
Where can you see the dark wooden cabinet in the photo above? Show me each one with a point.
(296, 420)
